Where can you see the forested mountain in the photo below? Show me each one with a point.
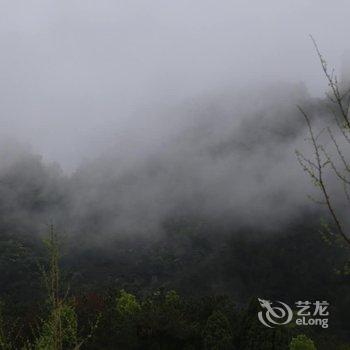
(193, 284)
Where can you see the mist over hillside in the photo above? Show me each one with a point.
(155, 167)
(156, 110)
(231, 162)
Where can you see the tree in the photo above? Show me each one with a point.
(5, 343)
(217, 334)
(167, 323)
(127, 305)
(329, 166)
(60, 330)
(126, 320)
(302, 342)
(253, 335)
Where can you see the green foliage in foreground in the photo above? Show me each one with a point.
(217, 333)
(128, 314)
(302, 342)
(48, 339)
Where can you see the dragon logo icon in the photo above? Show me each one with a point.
(274, 315)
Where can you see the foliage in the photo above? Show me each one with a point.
(217, 333)
(171, 313)
(127, 305)
(329, 166)
(5, 343)
(302, 342)
(60, 329)
(253, 335)
(66, 337)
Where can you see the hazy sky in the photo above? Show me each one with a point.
(78, 75)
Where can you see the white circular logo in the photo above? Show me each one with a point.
(279, 314)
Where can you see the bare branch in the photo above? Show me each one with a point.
(318, 175)
(333, 84)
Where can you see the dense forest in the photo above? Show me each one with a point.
(193, 285)
(177, 249)
(174, 175)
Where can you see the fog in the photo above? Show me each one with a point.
(236, 170)
(160, 107)
(79, 77)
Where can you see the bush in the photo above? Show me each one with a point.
(302, 342)
(217, 333)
